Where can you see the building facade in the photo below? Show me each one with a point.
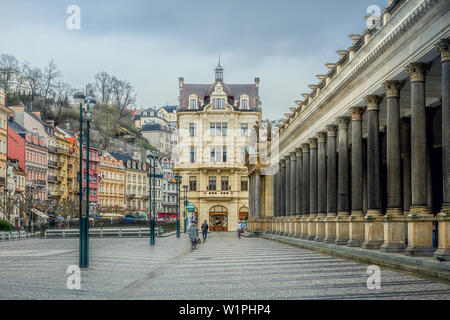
(364, 158)
(4, 115)
(112, 185)
(214, 121)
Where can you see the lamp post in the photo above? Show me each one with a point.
(152, 196)
(178, 181)
(185, 188)
(84, 219)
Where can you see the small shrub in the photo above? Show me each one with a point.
(6, 226)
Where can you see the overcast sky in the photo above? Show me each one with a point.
(152, 43)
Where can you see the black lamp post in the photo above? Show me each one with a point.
(84, 219)
(178, 181)
(185, 189)
(152, 196)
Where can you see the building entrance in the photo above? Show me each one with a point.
(218, 219)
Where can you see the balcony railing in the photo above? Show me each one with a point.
(52, 179)
(52, 163)
(52, 149)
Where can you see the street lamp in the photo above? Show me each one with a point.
(79, 97)
(152, 196)
(178, 181)
(185, 202)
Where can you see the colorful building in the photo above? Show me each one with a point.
(4, 114)
(111, 197)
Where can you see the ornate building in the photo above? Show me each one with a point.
(364, 158)
(214, 122)
(4, 115)
(111, 198)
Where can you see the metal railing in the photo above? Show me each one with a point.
(110, 232)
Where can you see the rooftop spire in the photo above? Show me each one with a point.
(219, 71)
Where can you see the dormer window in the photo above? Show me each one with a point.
(244, 103)
(218, 103)
(193, 104)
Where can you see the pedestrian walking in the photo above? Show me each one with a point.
(193, 234)
(205, 228)
(239, 229)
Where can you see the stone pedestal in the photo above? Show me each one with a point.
(443, 252)
(356, 229)
(304, 226)
(312, 226)
(394, 232)
(342, 228)
(291, 226)
(330, 228)
(320, 227)
(373, 228)
(420, 232)
(298, 230)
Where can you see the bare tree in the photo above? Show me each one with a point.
(9, 66)
(123, 94)
(51, 72)
(103, 85)
(63, 92)
(35, 78)
(21, 76)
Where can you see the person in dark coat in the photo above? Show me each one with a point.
(205, 228)
(193, 234)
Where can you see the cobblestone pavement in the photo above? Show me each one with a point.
(223, 268)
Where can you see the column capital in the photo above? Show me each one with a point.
(305, 147)
(373, 102)
(343, 123)
(356, 113)
(322, 137)
(299, 152)
(332, 131)
(443, 47)
(282, 163)
(287, 158)
(418, 71)
(293, 156)
(312, 143)
(393, 87)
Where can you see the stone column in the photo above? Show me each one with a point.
(420, 234)
(287, 195)
(250, 198)
(306, 191)
(282, 195)
(293, 184)
(321, 186)
(275, 200)
(394, 226)
(356, 225)
(257, 196)
(312, 189)
(343, 185)
(330, 220)
(373, 220)
(299, 191)
(443, 251)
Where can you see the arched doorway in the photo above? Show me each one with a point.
(218, 219)
(243, 214)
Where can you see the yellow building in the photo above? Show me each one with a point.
(136, 184)
(4, 114)
(214, 123)
(111, 195)
(63, 156)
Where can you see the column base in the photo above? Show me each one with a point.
(320, 227)
(304, 226)
(443, 252)
(373, 230)
(330, 228)
(356, 229)
(420, 232)
(297, 226)
(312, 226)
(394, 232)
(342, 228)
